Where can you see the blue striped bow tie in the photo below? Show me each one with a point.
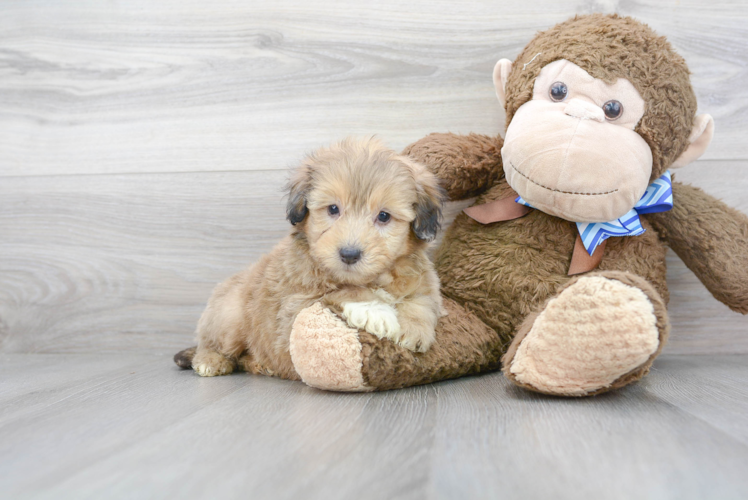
(657, 198)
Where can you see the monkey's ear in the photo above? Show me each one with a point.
(500, 75)
(701, 136)
(298, 188)
(429, 201)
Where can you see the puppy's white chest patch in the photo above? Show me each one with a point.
(375, 317)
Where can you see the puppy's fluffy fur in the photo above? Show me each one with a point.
(362, 217)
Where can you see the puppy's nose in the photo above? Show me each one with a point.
(350, 255)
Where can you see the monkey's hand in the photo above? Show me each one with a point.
(466, 165)
(712, 240)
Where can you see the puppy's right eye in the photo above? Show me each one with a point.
(383, 217)
(333, 210)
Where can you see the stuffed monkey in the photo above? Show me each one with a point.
(557, 273)
(559, 267)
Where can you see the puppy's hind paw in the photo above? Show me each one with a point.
(375, 317)
(211, 364)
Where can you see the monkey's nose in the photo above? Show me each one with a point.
(579, 108)
(350, 255)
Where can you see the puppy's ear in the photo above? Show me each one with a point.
(298, 188)
(429, 201)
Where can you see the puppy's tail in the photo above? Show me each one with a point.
(183, 359)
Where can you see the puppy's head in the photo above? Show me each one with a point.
(361, 207)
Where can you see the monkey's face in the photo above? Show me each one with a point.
(571, 151)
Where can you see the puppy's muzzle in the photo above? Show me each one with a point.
(350, 255)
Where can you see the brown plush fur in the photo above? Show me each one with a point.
(498, 278)
(466, 167)
(464, 346)
(501, 275)
(711, 239)
(504, 271)
(609, 47)
(248, 320)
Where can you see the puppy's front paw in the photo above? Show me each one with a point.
(416, 337)
(375, 317)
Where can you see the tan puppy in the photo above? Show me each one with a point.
(362, 217)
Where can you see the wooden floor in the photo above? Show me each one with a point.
(144, 145)
(86, 426)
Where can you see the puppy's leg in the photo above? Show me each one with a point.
(248, 363)
(375, 317)
(364, 309)
(336, 300)
(420, 305)
(209, 363)
(418, 317)
(221, 330)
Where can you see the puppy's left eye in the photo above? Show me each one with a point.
(333, 210)
(383, 217)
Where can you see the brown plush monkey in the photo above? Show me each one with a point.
(558, 270)
(598, 109)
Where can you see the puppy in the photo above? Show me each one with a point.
(362, 216)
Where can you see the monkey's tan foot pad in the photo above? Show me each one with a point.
(326, 352)
(597, 334)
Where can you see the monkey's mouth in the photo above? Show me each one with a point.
(559, 190)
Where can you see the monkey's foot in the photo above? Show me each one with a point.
(330, 355)
(599, 333)
(326, 352)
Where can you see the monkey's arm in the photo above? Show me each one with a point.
(466, 165)
(712, 240)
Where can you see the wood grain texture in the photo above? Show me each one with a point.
(137, 427)
(127, 262)
(181, 85)
(145, 144)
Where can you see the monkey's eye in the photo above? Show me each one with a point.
(558, 91)
(613, 110)
(333, 210)
(383, 217)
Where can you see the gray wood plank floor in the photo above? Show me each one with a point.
(127, 262)
(144, 148)
(134, 426)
